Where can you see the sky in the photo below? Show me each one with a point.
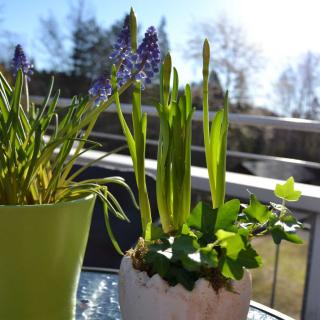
(284, 29)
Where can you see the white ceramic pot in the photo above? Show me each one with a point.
(145, 298)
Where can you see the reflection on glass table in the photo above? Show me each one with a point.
(97, 299)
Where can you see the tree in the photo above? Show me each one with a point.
(52, 43)
(298, 87)
(91, 44)
(163, 38)
(285, 89)
(309, 76)
(235, 59)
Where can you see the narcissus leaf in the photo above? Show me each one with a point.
(153, 232)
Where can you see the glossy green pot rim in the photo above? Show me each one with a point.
(58, 204)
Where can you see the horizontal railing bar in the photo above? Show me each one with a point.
(230, 153)
(238, 184)
(295, 124)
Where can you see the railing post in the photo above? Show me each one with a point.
(311, 300)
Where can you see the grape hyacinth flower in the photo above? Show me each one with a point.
(148, 56)
(123, 55)
(140, 65)
(123, 44)
(20, 61)
(101, 88)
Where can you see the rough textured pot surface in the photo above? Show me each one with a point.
(42, 249)
(145, 298)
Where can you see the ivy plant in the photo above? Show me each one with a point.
(220, 238)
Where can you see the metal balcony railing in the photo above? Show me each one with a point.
(238, 184)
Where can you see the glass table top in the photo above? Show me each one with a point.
(97, 299)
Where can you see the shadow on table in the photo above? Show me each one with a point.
(100, 251)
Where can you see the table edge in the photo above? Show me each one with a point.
(253, 303)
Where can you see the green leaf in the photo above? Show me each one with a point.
(185, 244)
(191, 261)
(249, 258)
(206, 58)
(185, 230)
(223, 235)
(203, 218)
(286, 191)
(290, 223)
(165, 80)
(221, 163)
(133, 30)
(227, 215)
(231, 242)
(184, 277)
(231, 268)
(209, 257)
(175, 88)
(162, 245)
(159, 262)
(109, 230)
(153, 232)
(279, 234)
(256, 210)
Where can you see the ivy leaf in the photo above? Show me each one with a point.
(256, 210)
(185, 244)
(203, 218)
(286, 191)
(209, 257)
(224, 235)
(191, 261)
(249, 258)
(278, 234)
(289, 223)
(280, 208)
(186, 278)
(234, 268)
(232, 242)
(159, 262)
(185, 230)
(244, 232)
(164, 244)
(230, 268)
(227, 215)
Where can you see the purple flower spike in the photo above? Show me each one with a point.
(149, 54)
(123, 55)
(141, 65)
(123, 44)
(20, 61)
(101, 88)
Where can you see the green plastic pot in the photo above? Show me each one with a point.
(41, 254)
